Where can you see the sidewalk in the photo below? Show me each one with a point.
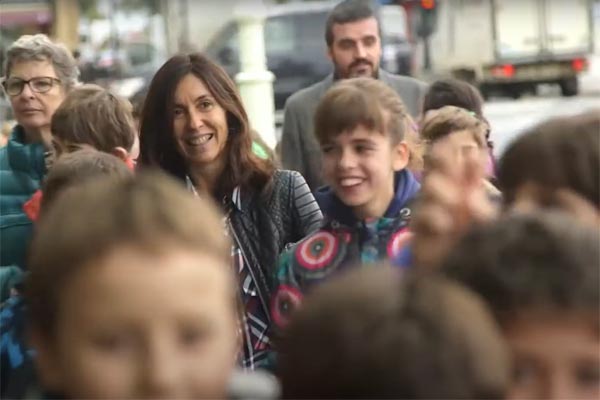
(589, 82)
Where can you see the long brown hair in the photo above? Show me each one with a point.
(157, 140)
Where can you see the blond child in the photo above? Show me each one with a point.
(131, 294)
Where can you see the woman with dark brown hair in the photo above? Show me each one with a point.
(193, 125)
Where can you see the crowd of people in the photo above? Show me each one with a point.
(163, 251)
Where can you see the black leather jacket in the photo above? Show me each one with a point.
(264, 224)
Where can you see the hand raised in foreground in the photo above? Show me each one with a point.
(454, 196)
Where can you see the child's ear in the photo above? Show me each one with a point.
(120, 153)
(400, 156)
(135, 148)
(47, 364)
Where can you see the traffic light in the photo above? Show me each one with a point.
(428, 4)
(427, 18)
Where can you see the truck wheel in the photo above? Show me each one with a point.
(514, 93)
(485, 92)
(569, 87)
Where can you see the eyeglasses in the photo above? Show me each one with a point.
(39, 84)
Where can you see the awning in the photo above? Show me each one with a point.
(24, 13)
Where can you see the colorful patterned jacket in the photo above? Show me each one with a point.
(341, 242)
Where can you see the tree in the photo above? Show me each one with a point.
(89, 9)
(151, 5)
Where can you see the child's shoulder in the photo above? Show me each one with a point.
(305, 264)
(315, 257)
(321, 246)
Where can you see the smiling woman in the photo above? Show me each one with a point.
(194, 126)
(200, 128)
(39, 73)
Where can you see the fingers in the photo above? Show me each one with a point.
(473, 168)
(481, 208)
(441, 159)
(453, 197)
(531, 197)
(432, 220)
(437, 188)
(575, 204)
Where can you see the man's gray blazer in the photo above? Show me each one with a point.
(300, 150)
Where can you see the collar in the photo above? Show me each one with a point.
(236, 198)
(26, 157)
(236, 195)
(405, 189)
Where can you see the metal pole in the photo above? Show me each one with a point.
(184, 17)
(427, 54)
(255, 82)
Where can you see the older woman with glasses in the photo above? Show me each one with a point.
(39, 73)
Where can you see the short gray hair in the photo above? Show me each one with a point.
(40, 48)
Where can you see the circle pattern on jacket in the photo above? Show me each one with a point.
(398, 241)
(317, 251)
(287, 299)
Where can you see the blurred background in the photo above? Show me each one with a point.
(531, 59)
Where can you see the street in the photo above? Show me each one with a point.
(509, 118)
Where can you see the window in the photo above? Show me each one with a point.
(280, 35)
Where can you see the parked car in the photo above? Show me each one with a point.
(296, 49)
(130, 60)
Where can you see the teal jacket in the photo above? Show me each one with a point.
(22, 168)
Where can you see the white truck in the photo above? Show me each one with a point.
(511, 46)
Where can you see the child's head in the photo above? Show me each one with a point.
(540, 275)
(459, 93)
(360, 124)
(78, 167)
(137, 102)
(561, 153)
(131, 294)
(94, 116)
(415, 146)
(455, 129)
(453, 92)
(360, 101)
(376, 334)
